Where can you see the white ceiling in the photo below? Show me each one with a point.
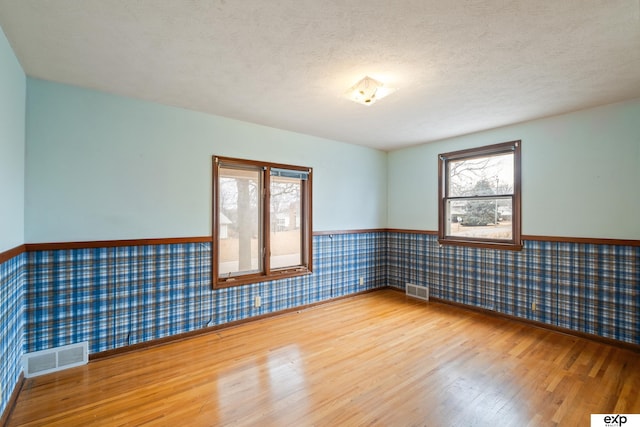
(459, 66)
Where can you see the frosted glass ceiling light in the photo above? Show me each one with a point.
(367, 91)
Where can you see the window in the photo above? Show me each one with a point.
(261, 221)
(479, 197)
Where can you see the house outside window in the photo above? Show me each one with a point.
(480, 198)
(261, 221)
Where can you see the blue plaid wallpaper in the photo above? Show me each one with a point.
(12, 274)
(585, 287)
(113, 297)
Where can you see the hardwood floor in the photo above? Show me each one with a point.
(375, 359)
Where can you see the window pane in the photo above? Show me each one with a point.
(286, 233)
(239, 221)
(483, 219)
(481, 176)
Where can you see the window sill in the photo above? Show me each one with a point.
(482, 244)
(222, 283)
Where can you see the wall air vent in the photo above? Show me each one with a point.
(415, 291)
(55, 359)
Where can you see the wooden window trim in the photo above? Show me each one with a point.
(305, 225)
(515, 244)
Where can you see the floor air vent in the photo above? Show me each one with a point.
(55, 359)
(421, 292)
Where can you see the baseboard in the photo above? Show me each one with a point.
(210, 329)
(4, 419)
(535, 323)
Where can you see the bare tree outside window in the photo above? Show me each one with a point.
(240, 203)
(262, 221)
(480, 196)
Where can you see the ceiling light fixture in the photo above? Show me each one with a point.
(367, 91)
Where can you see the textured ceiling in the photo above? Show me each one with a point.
(459, 66)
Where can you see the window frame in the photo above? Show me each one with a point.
(306, 228)
(515, 243)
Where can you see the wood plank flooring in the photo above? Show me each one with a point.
(378, 359)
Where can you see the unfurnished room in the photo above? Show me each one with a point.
(320, 213)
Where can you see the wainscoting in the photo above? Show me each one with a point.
(119, 296)
(12, 328)
(114, 296)
(590, 288)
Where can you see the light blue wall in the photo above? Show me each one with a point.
(12, 142)
(106, 167)
(12, 165)
(580, 174)
(103, 167)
